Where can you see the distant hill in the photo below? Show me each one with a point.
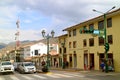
(21, 42)
(2, 45)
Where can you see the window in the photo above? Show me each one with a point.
(101, 25)
(36, 52)
(51, 47)
(69, 33)
(91, 26)
(74, 32)
(101, 41)
(59, 40)
(69, 44)
(84, 43)
(74, 44)
(84, 27)
(60, 50)
(109, 22)
(91, 42)
(64, 50)
(64, 40)
(110, 39)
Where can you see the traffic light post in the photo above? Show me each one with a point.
(105, 38)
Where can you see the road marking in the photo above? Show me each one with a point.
(38, 76)
(62, 75)
(28, 78)
(1, 78)
(53, 76)
(75, 75)
(14, 78)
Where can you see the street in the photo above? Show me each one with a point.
(62, 75)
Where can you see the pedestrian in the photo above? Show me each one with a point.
(43, 63)
(102, 65)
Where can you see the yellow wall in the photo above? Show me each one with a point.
(96, 49)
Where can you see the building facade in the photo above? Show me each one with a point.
(62, 50)
(86, 51)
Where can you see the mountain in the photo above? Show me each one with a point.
(21, 42)
(2, 45)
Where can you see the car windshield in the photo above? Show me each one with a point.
(28, 64)
(6, 63)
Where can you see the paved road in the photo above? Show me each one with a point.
(62, 75)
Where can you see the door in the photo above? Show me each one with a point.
(91, 61)
(85, 61)
(75, 61)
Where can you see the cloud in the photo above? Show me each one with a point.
(36, 15)
(27, 21)
(30, 35)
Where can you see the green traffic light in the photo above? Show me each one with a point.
(107, 47)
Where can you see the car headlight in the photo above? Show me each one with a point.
(12, 68)
(26, 69)
(2, 68)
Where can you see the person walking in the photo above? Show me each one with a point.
(102, 65)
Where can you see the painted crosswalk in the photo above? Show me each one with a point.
(39, 76)
(2, 78)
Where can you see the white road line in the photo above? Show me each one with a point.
(74, 75)
(53, 76)
(62, 75)
(1, 78)
(26, 77)
(14, 78)
(38, 76)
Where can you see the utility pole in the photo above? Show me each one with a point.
(17, 56)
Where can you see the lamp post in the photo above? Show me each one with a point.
(105, 37)
(47, 37)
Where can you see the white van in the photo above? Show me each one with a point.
(26, 67)
(6, 66)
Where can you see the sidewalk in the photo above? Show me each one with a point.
(66, 69)
(91, 72)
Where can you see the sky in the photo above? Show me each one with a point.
(48, 15)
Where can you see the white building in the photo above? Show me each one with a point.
(38, 49)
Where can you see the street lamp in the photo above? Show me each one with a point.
(105, 37)
(48, 37)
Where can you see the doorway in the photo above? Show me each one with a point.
(91, 61)
(85, 61)
(75, 60)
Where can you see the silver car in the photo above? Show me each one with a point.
(26, 67)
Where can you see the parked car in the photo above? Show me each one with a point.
(26, 67)
(6, 66)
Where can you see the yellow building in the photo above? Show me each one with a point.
(85, 50)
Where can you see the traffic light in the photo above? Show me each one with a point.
(85, 31)
(107, 47)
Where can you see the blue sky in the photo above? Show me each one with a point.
(36, 15)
